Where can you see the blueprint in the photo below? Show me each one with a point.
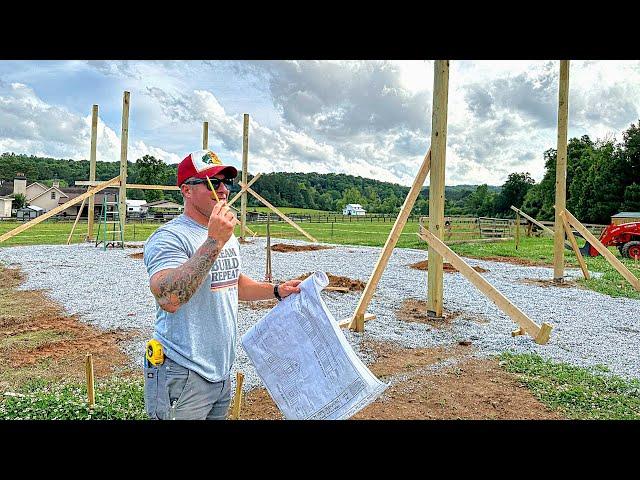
(305, 361)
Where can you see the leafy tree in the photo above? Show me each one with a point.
(19, 200)
(513, 192)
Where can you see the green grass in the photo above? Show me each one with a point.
(116, 399)
(578, 393)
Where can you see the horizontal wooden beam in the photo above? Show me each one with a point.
(540, 335)
(60, 208)
(135, 186)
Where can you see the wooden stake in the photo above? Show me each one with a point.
(124, 141)
(561, 172)
(92, 170)
(517, 230)
(205, 135)
(540, 335)
(237, 398)
(77, 218)
(90, 386)
(279, 213)
(574, 245)
(358, 318)
(114, 181)
(245, 167)
(436, 188)
(268, 275)
(604, 251)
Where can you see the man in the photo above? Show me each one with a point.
(194, 267)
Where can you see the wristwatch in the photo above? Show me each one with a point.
(276, 293)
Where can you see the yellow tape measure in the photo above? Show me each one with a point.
(154, 352)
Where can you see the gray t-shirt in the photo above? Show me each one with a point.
(201, 334)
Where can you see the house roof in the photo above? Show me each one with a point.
(33, 207)
(353, 205)
(626, 215)
(136, 203)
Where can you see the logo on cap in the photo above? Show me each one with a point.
(211, 158)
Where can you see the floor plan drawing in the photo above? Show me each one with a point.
(304, 360)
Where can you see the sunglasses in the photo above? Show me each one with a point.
(214, 181)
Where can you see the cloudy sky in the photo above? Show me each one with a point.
(367, 118)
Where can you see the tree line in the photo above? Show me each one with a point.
(603, 178)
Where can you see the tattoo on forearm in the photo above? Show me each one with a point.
(179, 285)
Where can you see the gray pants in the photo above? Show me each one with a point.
(173, 392)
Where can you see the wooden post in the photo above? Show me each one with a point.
(358, 319)
(59, 208)
(77, 218)
(517, 230)
(91, 394)
(604, 251)
(561, 172)
(92, 169)
(245, 166)
(540, 334)
(124, 140)
(268, 277)
(574, 245)
(436, 186)
(237, 398)
(279, 213)
(205, 135)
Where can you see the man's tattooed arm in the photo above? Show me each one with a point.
(174, 287)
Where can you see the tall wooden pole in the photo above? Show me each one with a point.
(436, 186)
(205, 135)
(561, 172)
(124, 140)
(92, 168)
(245, 166)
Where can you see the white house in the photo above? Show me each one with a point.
(5, 206)
(136, 207)
(353, 209)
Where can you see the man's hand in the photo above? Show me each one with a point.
(221, 223)
(287, 288)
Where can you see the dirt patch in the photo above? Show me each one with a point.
(137, 255)
(514, 260)
(338, 281)
(261, 304)
(413, 310)
(284, 247)
(10, 277)
(470, 389)
(549, 283)
(38, 340)
(446, 267)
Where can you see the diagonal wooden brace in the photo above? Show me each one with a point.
(279, 213)
(540, 334)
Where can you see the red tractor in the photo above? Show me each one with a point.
(625, 236)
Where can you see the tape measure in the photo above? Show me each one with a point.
(155, 355)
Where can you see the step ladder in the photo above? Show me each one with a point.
(110, 231)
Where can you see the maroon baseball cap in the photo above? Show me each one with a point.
(201, 164)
